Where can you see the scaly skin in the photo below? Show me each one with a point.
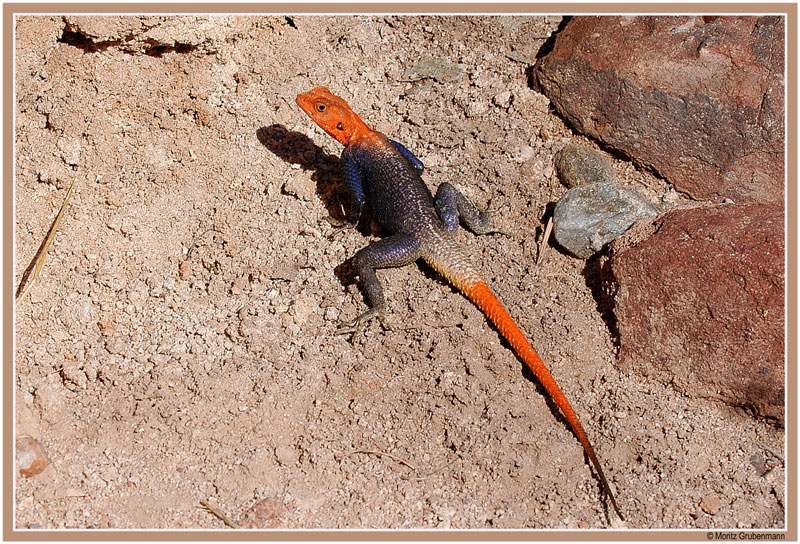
(386, 176)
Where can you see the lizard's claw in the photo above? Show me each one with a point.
(342, 224)
(356, 326)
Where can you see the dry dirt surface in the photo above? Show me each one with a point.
(179, 344)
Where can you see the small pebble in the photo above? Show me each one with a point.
(286, 455)
(526, 154)
(115, 223)
(70, 150)
(265, 514)
(302, 309)
(760, 464)
(301, 186)
(437, 68)
(73, 375)
(475, 108)
(710, 504)
(31, 458)
(128, 227)
(84, 311)
(503, 99)
(184, 270)
(240, 284)
(106, 326)
(283, 271)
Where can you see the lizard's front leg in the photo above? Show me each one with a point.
(397, 250)
(354, 181)
(451, 205)
(409, 156)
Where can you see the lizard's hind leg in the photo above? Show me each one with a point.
(395, 251)
(452, 205)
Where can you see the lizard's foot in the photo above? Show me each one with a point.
(356, 327)
(348, 221)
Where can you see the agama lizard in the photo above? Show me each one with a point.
(386, 176)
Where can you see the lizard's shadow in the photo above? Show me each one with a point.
(297, 148)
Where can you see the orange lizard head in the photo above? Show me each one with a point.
(332, 114)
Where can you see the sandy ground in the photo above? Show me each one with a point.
(179, 343)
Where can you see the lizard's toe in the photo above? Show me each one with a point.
(356, 327)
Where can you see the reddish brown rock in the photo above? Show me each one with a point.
(31, 458)
(711, 504)
(699, 100)
(265, 514)
(699, 303)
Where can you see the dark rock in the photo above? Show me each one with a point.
(699, 101)
(589, 216)
(578, 164)
(698, 299)
(761, 464)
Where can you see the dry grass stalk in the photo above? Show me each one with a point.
(216, 512)
(32, 272)
(544, 244)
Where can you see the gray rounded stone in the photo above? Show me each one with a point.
(578, 164)
(589, 216)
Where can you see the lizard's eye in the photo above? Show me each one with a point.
(320, 107)
(339, 126)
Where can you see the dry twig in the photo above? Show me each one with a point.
(544, 245)
(32, 272)
(384, 454)
(219, 514)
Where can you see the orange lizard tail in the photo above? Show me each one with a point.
(485, 299)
